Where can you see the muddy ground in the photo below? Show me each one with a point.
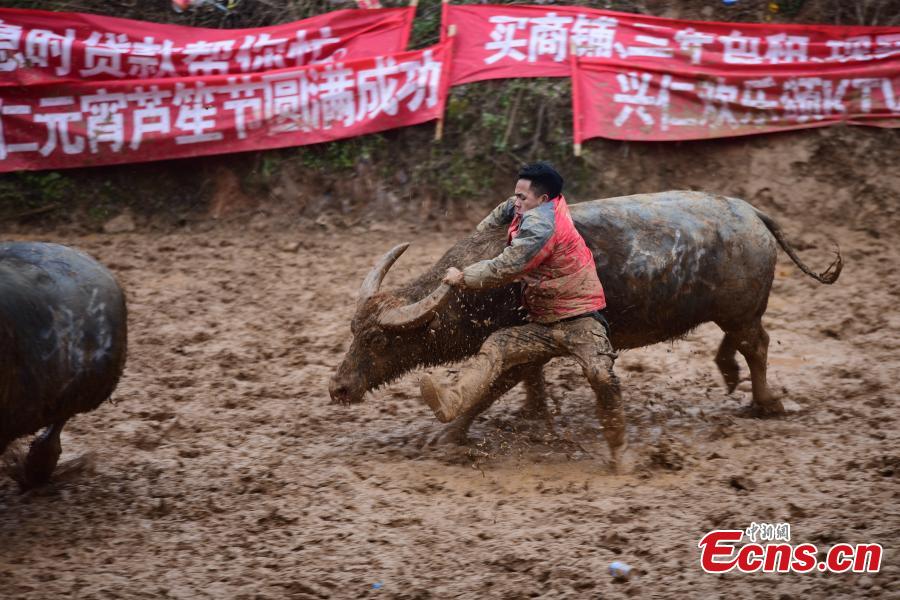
(220, 470)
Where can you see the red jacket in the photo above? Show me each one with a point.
(548, 254)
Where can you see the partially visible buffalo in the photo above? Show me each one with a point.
(62, 345)
(668, 262)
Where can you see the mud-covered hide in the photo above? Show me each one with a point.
(668, 262)
(63, 336)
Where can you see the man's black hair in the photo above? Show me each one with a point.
(543, 177)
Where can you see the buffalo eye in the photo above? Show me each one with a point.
(378, 340)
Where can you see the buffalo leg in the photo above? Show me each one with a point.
(725, 360)
(43, 456)
(753, 343)
(457, 431)
(535, 405)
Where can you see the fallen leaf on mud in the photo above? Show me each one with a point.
(740, 482)
(513, 563)
(160, 508)
(886, 466)
(274, 517)
(403, 522)
(289, 247)
(614, 542)
(298, 589)
(721, 519)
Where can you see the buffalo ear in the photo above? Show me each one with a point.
(435, 323)
(418, 313)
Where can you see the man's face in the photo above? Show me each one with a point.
(526, 198)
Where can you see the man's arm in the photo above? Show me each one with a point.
(499, 216)
(529, 248)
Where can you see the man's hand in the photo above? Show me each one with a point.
(454, 277)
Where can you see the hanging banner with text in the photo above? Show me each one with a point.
(623, 102)
(501, 41)
(100, 123)
(38, 47)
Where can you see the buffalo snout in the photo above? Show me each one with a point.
(343, 392)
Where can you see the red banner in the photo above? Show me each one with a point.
(499, 41)
(624, 102)
(98, 123)
(39, 47)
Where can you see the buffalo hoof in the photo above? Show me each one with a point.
(770, 410)
(14, 464)
(33, 468)
(40, 462)
(620, 461)
(731, 383)
(731, 374)
(533, 412)
(450, 436)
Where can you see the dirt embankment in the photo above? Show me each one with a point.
(492, 128)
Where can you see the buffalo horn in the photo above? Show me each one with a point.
(373, 280)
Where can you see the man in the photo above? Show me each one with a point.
(562, 295)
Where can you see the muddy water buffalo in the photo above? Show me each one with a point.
(668, 262)
(62, 345)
